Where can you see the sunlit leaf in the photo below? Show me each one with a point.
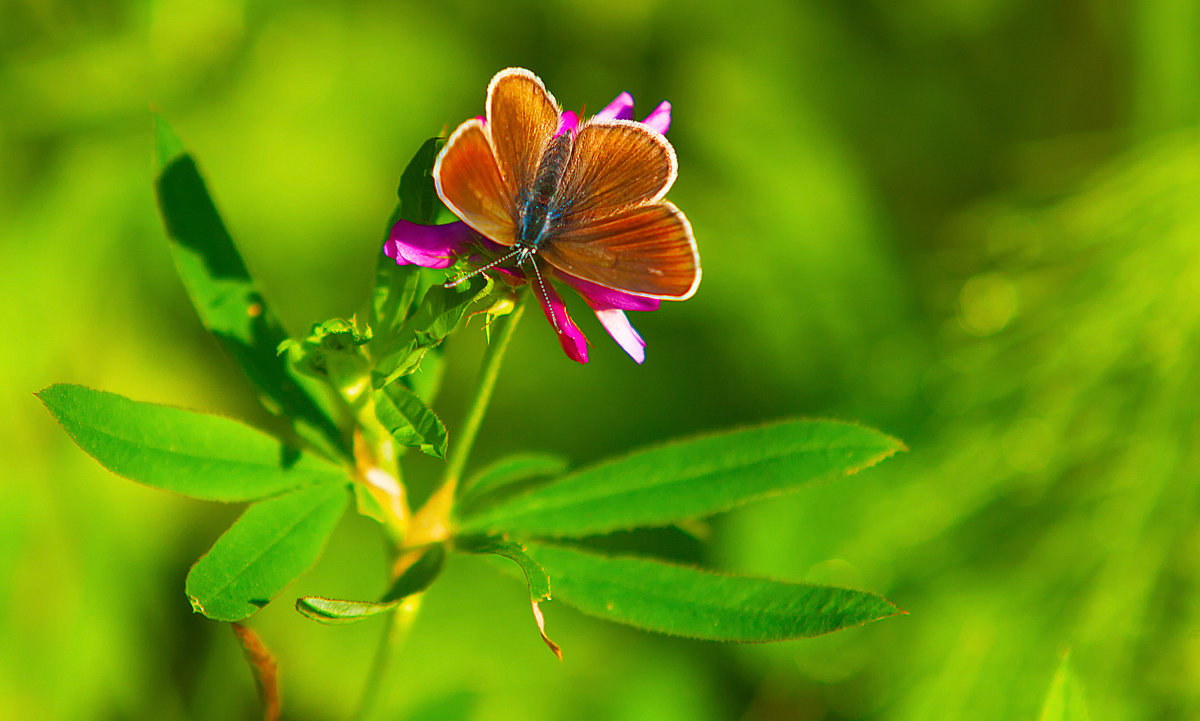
(419, 201)
(335, 611)
(272, 543)
(535, 575)
(226, 298)
(679, 601)
(195, 454)
(1064, 700)
(396, 285)
(440, 311)
(506, 477)
(687, 479)
(412, 423)
(415, 579)
(419, 575)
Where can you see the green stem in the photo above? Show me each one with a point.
(395, 633)
(429, 524)
(501, 335)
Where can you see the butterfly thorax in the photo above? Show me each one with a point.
(534, 213)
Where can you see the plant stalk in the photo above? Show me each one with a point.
(502, 335)
(431, 523)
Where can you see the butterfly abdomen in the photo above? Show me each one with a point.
(535, 211)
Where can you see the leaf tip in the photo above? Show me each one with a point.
(167, 144)
(541, 624)
(197, 606)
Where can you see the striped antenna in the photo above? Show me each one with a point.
(545, 297)
(477, 271)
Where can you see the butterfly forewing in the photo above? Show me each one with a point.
(645, 250)
(468, 180)
(614, 164)
(522, 116)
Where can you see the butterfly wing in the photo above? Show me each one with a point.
(468, 181)
(614, 164)
(522, 116)
(611, 226)
(644, 250)
(485, 169)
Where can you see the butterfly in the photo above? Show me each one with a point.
(586, 200)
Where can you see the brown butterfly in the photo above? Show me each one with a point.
(587, 200)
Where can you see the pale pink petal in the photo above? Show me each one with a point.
(660, 118)
(621, 108)
(623, 332)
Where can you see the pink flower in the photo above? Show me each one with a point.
(441, 246)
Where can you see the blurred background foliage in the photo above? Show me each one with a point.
(971, 223)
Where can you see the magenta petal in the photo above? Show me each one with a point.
(621, 108)
(429, 246)
(623, 332)
(567, 122)
(600, 297)
(569, 336)
(660, 118)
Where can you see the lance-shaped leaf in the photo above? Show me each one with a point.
(1064, 700)
(440, 311)
(396, 285)
(679, 601)
(687, 479)
(225, 296)
(194, 454)
(272, 543)
(417, 578)
(506, 477)
(412, 423)
(535, 575)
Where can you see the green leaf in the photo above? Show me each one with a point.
(1064, 700)
(426, 380)
(416, 579)
(410, 421)
(507, 477)
(535, 575)
(195, 454)
(333, 351)
(272, 543)
(420, 575)
(440, 312)
(396, 286)
(688, 479)
(680, 601)
(225, 297)
(419, 201)
(336, 612)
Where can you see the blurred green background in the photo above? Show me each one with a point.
(971, 223)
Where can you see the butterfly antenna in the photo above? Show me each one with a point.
(545, 297)
(477, 271)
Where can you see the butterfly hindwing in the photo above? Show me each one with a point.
(645, 250)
